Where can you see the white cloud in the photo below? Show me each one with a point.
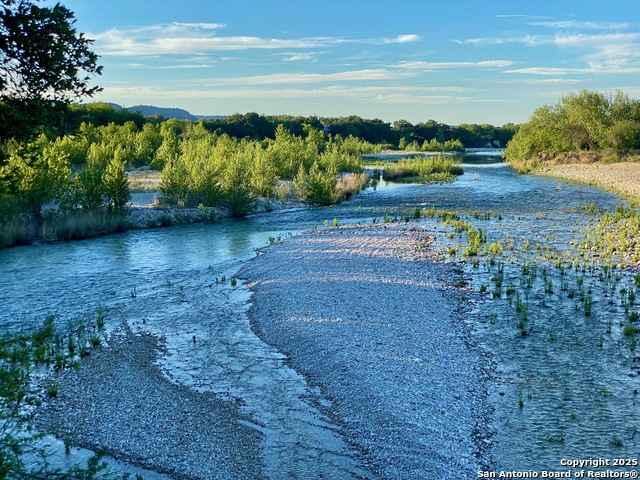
(307, 78)
(575, 25)
(187, 39)
(193, 38)
(419, 65)
(384, 94)
(299, 57)
(403, 39)
(530, 40)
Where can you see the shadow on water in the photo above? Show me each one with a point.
(556, 392)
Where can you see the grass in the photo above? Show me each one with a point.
(422, 170)
(349, 184)
(21, 355)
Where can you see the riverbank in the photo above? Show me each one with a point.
(622, 178)
(145, 211)
(371, 316)
(119, 402)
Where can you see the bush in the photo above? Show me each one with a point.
(422, 170)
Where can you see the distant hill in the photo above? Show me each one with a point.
(150, 110)
(179, 113)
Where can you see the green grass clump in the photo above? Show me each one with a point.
(629, 330)
(422, 170)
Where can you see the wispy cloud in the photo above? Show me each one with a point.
(197, 38)
(299, 57)
(420, 65)
(310, 78)
(114, 42)
(403, 39)
(377, 93)
(576, 25)
(187, 39)
(530, 40)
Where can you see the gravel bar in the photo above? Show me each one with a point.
(120, 402)
(371, 316)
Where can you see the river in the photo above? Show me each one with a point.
(566, 389)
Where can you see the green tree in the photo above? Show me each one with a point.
(236, 182)
(316, 186)
(116, 185)
(263, 173)
(87, 190)
(44, 65)
(587, 119)
(36, 174)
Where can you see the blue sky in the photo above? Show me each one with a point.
(467, 61)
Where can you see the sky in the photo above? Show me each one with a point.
(465, 61)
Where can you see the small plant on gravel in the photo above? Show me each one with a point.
(95, 341)
(52, 389)
(629, 330)
(587, 304)
(234, 281)
(71, 344)
(101, 316)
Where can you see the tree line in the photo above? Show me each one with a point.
(585, 121)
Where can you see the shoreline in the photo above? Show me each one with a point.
(121, 403)
(622, 178)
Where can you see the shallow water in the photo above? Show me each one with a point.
(577, 397)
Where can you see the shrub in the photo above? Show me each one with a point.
(422, 170)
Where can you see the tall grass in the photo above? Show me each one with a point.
(18, 231)
(422, 170)
(63, 226)
(349, 184)
(81, 224)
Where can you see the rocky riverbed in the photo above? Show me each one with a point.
(621, 178)
(372, 317)
(373, 320)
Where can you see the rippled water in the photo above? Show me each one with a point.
(577, 397)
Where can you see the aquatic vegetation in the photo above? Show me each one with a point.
(22, 355)
(422, 170)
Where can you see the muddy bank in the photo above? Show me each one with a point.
(120, 402)
(370, 316)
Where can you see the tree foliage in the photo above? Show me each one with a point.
(35, 174)
(583, 121)
(44, 65)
